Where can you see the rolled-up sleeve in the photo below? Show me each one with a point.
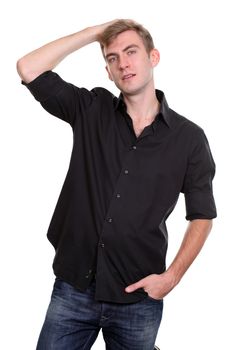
(58, 97)
(197, 186)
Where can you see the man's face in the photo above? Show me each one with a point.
(128, 63)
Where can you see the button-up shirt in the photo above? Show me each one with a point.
(109, 223)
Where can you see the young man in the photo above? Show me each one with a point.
(131, 158)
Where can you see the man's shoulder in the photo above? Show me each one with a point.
(188, 125)
(104, 96)
(101, 91)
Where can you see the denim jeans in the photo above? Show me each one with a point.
(74, 319)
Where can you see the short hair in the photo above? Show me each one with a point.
(122, 25)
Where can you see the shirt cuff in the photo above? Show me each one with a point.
(200, 205)
(44, 86)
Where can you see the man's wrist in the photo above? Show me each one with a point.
(172, 276)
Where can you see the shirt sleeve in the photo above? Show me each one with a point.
(197, 186)
(61, 99)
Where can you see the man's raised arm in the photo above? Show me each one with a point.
(50, 55)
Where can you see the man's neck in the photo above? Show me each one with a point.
(142, 109)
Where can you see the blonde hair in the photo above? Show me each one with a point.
(120, 26)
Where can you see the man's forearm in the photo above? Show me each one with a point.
(194, 239)
(50, 55)
(158, 286)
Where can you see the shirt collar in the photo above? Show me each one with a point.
(164, 113)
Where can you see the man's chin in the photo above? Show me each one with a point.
(130, 92)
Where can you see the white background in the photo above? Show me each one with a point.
(195, 41)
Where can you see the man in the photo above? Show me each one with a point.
(131, 158)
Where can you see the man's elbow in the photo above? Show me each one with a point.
(209, 224)
(24, 72)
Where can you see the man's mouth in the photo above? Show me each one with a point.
(128, 76)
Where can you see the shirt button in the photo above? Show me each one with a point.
(89, 274)
(134, 147)
(110, 220)
(102, 245)
(118, 195)
(126, 172)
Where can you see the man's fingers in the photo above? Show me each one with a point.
(134, 286)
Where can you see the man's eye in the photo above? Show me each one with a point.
(131, 52)
(111, 59)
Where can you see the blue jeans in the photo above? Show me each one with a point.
(74, 319)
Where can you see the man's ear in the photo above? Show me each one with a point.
(109, 74)
(154, 57)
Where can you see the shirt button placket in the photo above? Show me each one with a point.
(109, 220)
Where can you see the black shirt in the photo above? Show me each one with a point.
(109, 221)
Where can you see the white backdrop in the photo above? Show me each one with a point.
(195, 41)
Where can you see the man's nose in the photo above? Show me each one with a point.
(123, 63)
